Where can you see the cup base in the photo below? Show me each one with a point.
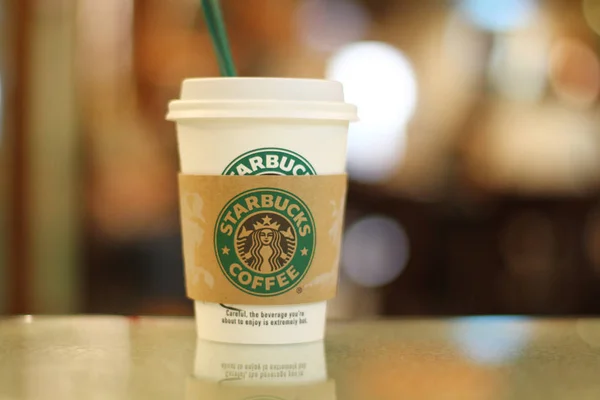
(265, 325)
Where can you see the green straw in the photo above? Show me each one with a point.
(218, 34)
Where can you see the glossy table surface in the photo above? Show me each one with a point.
(154, 358)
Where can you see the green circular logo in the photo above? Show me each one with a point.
(269, 161)
(265, 241)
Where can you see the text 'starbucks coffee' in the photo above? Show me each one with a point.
(270, 161)
(254, 239)
(264, 241)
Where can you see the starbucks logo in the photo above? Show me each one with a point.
(269, 161)
(264, 241)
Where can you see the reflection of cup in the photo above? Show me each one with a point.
(234, 371)
(260, 126)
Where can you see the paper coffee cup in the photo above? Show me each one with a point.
(261, 126)
(237, 371)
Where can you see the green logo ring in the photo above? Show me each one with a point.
(265, 239)
(269, 160)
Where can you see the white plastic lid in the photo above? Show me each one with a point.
(261, 98)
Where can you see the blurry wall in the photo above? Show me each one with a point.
(474, 169)
(4, 163)
(55, 160)
(40, 154)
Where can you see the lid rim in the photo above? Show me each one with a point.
(178, 115)
(258, 88)
(261, 109)
(241, 97)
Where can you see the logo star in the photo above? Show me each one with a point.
(225, 250)
(304, 251)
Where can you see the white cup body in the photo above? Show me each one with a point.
(206, 147)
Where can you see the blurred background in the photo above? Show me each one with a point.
(475, 169)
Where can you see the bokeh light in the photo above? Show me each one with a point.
(375, 252)
(574, 72)
(518, 67)
(465, 45)
(539, 150)
(499, 15)
(325, 25)
(491, 340)
(380, 80)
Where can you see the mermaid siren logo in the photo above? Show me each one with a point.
(264, 245)
(265, 240)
